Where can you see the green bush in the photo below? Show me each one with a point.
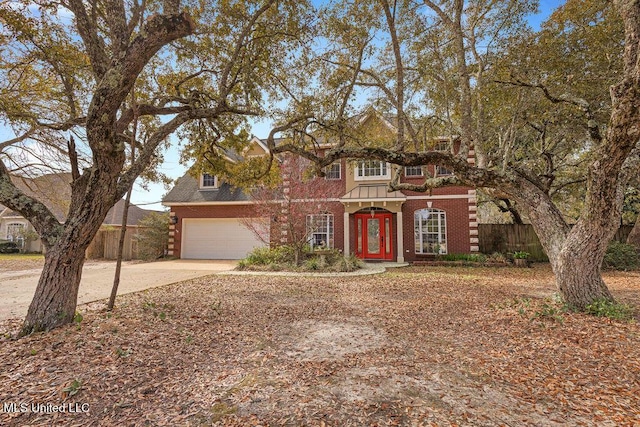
(153, 236)
(9, 248)
(312, 264)
(621, 256)
(464, 257)
(283, 258)
(610, 309)
(498, 257)
(269, 256)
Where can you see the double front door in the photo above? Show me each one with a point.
(374, 238)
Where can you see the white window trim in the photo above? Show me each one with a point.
(438, 146)
(18, 239)
(329, 234)
(339, 172)
(442, 217)
(410, 176)
(357, 176)
(438, 173)
(208, 187)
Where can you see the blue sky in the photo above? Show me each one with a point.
(150, 198)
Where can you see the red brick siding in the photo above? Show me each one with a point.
(457, 216)
(239, 211)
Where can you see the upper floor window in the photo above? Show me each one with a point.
(444, 147)
(332, 171)
(441, 170)
(208, 181)
(372, 169)
(413, 171)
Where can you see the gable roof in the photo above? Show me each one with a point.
(54, 190)
(187, 190)
(134, 215)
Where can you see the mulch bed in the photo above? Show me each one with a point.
(414, 346)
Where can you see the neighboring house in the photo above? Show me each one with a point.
(134, 215)
(54, 190)
(366, 219)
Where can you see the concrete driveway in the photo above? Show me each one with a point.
(17, 287)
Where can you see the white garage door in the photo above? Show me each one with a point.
(220, 238)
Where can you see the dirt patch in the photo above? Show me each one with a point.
(416, 346)
(327, 340)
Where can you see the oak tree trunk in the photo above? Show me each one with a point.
(56, 296)
(575, 253)
(579, 278)
(54, 302)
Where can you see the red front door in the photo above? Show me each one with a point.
(374, 239)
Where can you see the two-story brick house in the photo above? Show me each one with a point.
(365, 219)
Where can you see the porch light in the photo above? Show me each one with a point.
(173, 220)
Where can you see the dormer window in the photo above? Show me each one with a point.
(208, 182)
(372, 170)
(442, 146)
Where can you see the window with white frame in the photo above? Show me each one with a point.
(208, 181)
(430, 230)
(332, 171)
(372, 169)
(15, 233)
(443, 147)
(441, 170)
(320, 231)
(413, 171)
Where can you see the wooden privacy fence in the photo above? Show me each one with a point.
(506, 238)
(105, 244)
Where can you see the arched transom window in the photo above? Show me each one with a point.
(430, 231)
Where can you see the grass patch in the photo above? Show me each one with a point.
(18, 257)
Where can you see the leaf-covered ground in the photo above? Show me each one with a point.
(414, 346)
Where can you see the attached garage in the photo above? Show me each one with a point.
(216, 238)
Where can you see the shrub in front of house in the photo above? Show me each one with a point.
(9, 248)
(464, 257)
(269, 256)
(282, 258)
(153, 236)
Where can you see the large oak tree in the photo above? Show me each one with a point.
(432, 64)
(69, 71)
